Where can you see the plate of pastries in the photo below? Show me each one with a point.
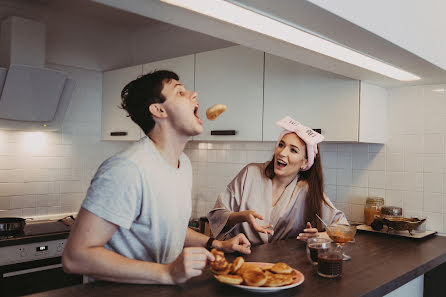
(255, 276)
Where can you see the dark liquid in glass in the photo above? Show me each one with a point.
(330, 265)
(314, 248)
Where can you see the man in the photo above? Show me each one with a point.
(132, 226)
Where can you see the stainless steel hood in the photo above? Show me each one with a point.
(32, 98)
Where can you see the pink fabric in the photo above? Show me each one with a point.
(308, 135)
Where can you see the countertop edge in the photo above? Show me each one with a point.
(407, 277)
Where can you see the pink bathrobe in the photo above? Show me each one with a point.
(251, 189)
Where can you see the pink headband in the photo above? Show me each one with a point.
(308, 135)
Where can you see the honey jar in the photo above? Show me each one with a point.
(372, 208)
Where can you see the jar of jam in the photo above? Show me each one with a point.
(372, 209)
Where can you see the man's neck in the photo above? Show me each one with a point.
(169, 144)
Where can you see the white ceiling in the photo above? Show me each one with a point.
(138, 16)
(376, 18)
(89, 35)
(413, 25)
(81, 8)
(302, 14)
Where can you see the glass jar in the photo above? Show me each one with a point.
(372, 209)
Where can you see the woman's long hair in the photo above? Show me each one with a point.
(315, 193)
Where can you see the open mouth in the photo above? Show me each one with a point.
(196, 114)
(281, 164)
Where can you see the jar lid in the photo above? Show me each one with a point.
(375, 200)
(393, 211)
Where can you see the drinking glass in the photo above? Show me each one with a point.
(329, 261)
(315, 244)
(341, 234)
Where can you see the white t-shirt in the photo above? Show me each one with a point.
(148, 199)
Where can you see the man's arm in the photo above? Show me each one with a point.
(238, 243)
(84, 253)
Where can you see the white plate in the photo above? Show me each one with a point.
(297, 281)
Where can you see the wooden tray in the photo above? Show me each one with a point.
(416, 235)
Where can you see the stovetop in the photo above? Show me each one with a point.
(36, 231)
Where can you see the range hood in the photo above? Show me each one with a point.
(33, 98)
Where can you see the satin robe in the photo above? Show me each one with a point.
(251, 189)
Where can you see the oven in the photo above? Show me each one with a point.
(31, 262)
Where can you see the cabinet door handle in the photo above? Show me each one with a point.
(118, 133)
(223, 132)
(31, 270)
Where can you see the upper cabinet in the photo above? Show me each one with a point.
(258, 89)
(372, 114)
(232, 76)
(183, 66)
(115, 123)
(321, 100)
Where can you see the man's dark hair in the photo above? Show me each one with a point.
(139, 94)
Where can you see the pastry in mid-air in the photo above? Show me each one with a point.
(214, 111)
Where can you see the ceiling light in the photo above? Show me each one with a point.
(231, 13)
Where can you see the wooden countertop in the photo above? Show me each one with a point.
(380, 264)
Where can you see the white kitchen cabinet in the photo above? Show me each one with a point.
(321, 100)
(232, 76)
(115, 123)
(183, 66)
(373, 114)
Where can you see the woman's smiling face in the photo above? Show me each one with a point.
(290, 156)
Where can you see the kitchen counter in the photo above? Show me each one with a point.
(380, 264)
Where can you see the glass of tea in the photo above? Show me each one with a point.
(329, 261)
(315, 244)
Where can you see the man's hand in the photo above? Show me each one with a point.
(250, 216)
(189, 263)
(238, 243)
(308, 233)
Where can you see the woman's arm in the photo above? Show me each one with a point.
(250, 217)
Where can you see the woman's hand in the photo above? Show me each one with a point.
(238, 243)
(308, 233)
(250, 217)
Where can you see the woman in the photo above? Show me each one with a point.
(286, 193)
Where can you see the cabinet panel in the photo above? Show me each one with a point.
(183, 66)
(231, 76)
(315, 98)
(114, 119)
(373, 114)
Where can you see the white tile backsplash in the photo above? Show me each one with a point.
(434, 144)
(433, 163)
(413, 201)
(433, 182)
